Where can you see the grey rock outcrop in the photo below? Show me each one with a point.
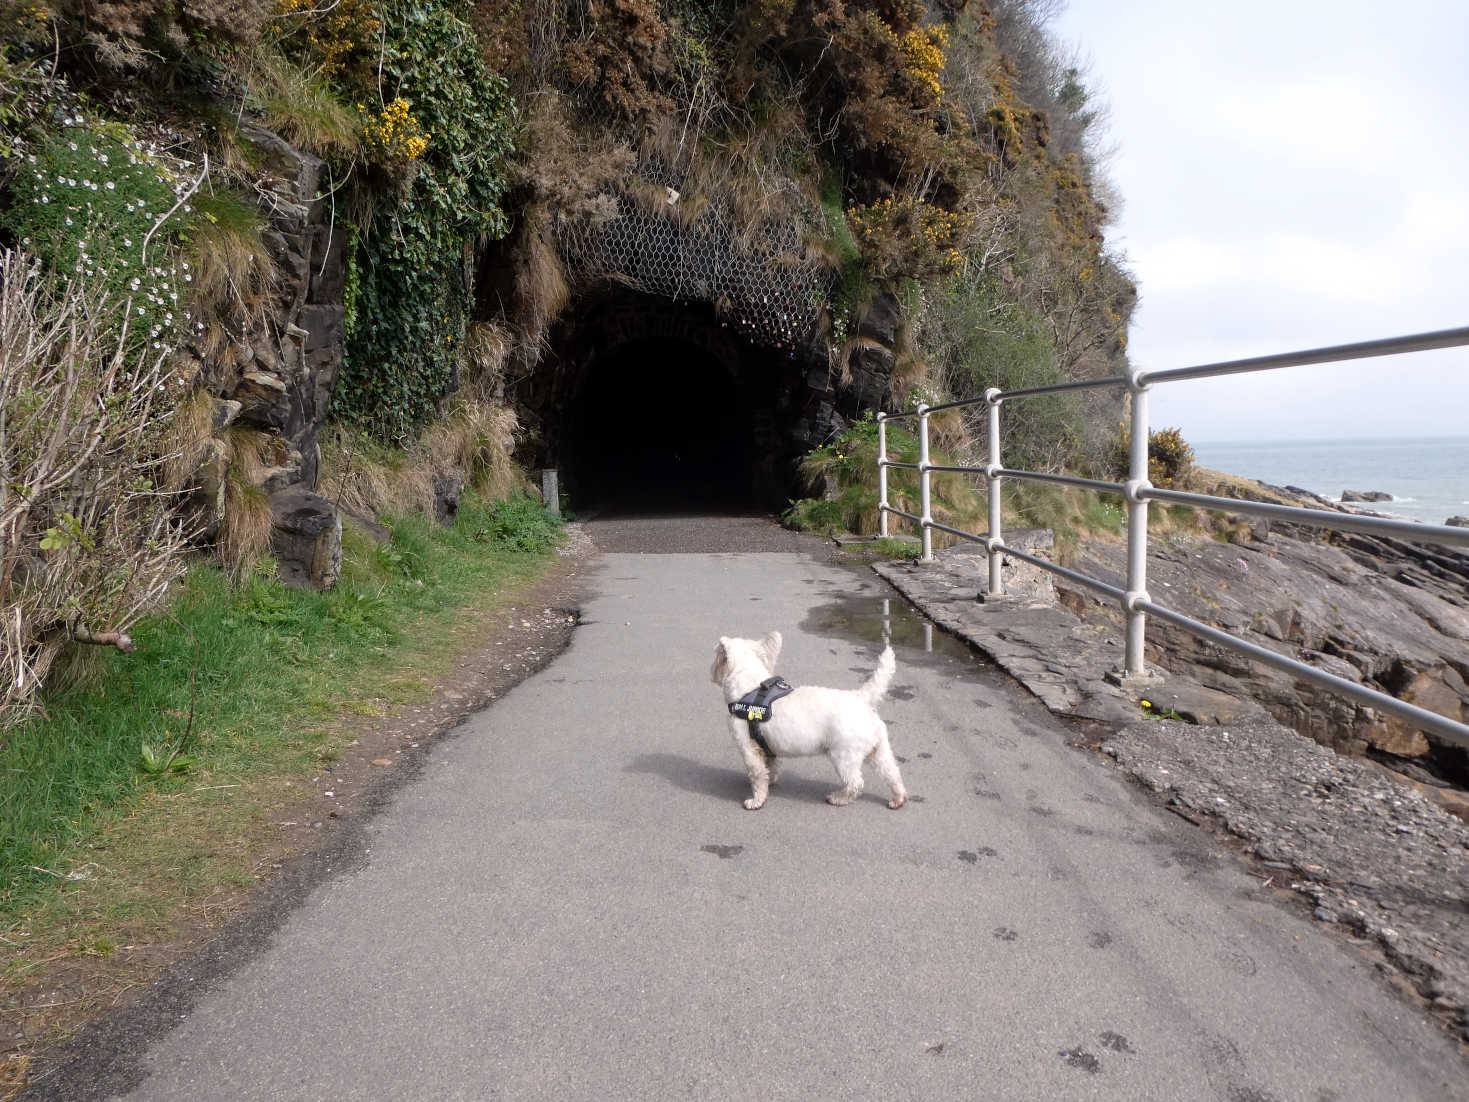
(284, 366)
(1365, 495)
(306, 538)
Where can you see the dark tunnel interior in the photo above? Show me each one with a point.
(659, 425)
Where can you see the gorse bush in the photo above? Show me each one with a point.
(1170, 458)
(328, 38)
(909, 239)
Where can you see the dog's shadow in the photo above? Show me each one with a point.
(722, 783)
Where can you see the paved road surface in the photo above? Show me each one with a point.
(570, 903)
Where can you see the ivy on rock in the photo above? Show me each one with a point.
(414, 263)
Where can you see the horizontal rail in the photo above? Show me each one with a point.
(958, 470)
(1056, 388)
(1390, 346)
(1045, 564)
(956, 404)
(903, 413)
(1318, 518)
(899, 512)
(1025, 392)
(1065, 480)
(963, 535)
(1421, 718)
(895, 463)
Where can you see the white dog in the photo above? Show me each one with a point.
(840, 723)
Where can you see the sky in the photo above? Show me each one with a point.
(1294, 174)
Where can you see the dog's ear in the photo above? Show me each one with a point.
(770, 649)
(720, 668)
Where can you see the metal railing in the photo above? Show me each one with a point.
(1137, 491)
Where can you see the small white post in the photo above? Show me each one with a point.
(992, 472)
(924, 484)
(882, 476)
(550, 491)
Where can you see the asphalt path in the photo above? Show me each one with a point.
(570, 902)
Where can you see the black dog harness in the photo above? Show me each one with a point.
(757, 706)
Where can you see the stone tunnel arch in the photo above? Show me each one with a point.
(644, 402)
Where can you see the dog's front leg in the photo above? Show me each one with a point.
(757, 771)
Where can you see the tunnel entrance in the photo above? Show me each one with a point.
(657, 425)
(645, 404)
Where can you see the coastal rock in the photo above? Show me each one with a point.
(1365, 495)
(1457, 522)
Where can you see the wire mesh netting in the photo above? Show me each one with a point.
(759, 278)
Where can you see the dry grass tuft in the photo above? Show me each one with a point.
(542, 291)
(234, 271)
(245, 537)
(487, 349)
(474, 442)
(251, 453)
(190, 427)
(477, 438)
(303, 110)
(366, 477)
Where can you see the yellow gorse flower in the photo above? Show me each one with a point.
(394, 134)
(923, 58)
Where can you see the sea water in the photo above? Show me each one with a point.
(1428, 478)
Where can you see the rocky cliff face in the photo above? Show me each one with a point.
(275, 377)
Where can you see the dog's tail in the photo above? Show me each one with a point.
(876, 686)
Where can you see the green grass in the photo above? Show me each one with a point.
(274, 666)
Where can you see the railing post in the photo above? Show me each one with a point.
(924, 484)
(882, 476)
(1137, 530)
(992, 473)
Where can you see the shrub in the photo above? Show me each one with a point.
(88, 537)
(518, 523)
(1170, 458)
(330, 38)
(845, 470)
(133, 34)
(95, 206)
(909, 239)
(983, 340)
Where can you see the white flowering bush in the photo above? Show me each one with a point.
(101, 207)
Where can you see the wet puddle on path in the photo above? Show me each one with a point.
(874, 613)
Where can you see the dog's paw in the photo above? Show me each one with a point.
(898, 802)
(839, 799)
(754, 805)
